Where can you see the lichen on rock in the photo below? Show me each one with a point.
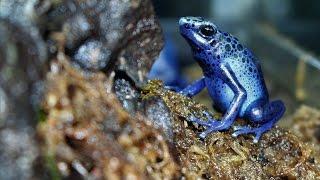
(279, 153)
(180, 105)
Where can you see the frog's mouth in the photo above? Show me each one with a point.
(192, 44)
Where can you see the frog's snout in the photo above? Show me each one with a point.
(183, 21)
(189, 23)
(184, 25)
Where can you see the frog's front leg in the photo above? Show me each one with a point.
(228, 76)
(194, 88)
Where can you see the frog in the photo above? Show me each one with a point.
(233, 77)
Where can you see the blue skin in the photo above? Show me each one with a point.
(167, 67)
(233, 77)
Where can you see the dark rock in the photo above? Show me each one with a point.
(158, 113)
(3, 107)
(109, 36)
(127, 94)
(18, 152)
(92, 55)
(77, 28)
(128, 31)
(141, 50)
(22, 67)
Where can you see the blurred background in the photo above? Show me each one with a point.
(284, 35)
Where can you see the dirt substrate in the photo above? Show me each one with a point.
(279, 154)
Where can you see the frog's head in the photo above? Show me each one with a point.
(201, 35)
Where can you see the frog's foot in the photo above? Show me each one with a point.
(209, 123)
(217, 126)
(173, 88)
(272, 112)
(258, 131)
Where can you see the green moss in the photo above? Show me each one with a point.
(41, 115)
(178, 104)
(52, 167)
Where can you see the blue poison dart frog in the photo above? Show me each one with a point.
(233, 77)
(167, 67)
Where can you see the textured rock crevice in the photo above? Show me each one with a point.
(79, 132)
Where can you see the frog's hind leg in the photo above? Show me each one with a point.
(230, 115)
(270, 115)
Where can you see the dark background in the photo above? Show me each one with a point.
(293, 44)
(295, 18)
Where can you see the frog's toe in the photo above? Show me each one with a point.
(260, 131)
(236, 128)
(239, 130)
(208, 123)
(173, 88)
(216, 126)
(203, 135)
(257, 137)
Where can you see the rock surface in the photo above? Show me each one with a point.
(108, 35)
(306, 125)
(88, 134)
(128, 31)
(279, 154)
(22, 67)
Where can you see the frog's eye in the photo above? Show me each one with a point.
(208, 30)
